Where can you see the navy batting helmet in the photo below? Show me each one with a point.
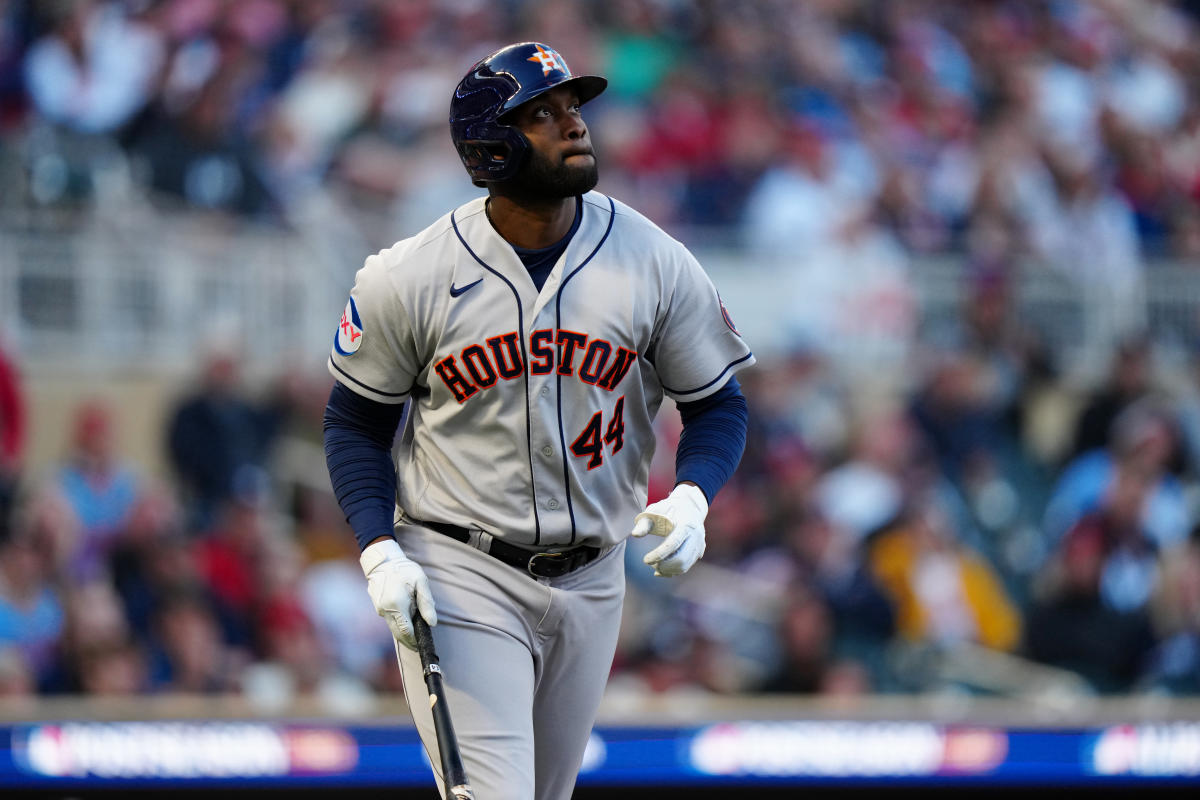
(490, 149)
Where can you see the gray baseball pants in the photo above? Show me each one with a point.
(525, 662)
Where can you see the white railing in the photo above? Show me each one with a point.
(103, 293)
(144, 289)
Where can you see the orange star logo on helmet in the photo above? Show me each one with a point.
(550, 60)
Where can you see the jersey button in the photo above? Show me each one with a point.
(547, 451)
(551, 504)
(545, 391)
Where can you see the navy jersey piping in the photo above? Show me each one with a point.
(728, 366)
(352, 379)
(537, 522)
(562, 437)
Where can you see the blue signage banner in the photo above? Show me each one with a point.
(64, 754)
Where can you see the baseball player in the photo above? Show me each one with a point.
(531, 335)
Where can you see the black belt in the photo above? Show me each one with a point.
(540, 565)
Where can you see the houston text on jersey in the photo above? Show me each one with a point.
(550, 350)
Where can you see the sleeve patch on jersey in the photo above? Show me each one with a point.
(349, 332)
(725, 315)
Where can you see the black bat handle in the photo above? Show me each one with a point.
(453, 772)
(424, 637)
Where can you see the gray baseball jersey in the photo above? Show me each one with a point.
(532, 411)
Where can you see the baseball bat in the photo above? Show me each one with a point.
(454, 774)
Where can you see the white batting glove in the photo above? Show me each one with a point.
(679, 517)
(395, 584)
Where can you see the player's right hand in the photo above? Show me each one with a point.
(395, 584)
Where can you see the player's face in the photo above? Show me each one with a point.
(561, 162)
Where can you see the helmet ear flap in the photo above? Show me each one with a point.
(494, 159)
(479, 154)
(474, 156)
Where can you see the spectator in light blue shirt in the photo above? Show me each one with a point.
(31, 616)
(1143, 439)
(98, 487)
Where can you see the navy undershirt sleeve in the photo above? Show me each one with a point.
(713, 438)
(358, 452)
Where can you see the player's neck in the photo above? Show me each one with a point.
(529, 225)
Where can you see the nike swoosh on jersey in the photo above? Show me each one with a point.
(455, 291)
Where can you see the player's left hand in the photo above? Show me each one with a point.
(679, 518)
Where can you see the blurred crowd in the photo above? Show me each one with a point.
(223, 576)
(985, 527)
(1062, 129)
(947, 538)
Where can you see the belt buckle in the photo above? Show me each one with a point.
(558, 564)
